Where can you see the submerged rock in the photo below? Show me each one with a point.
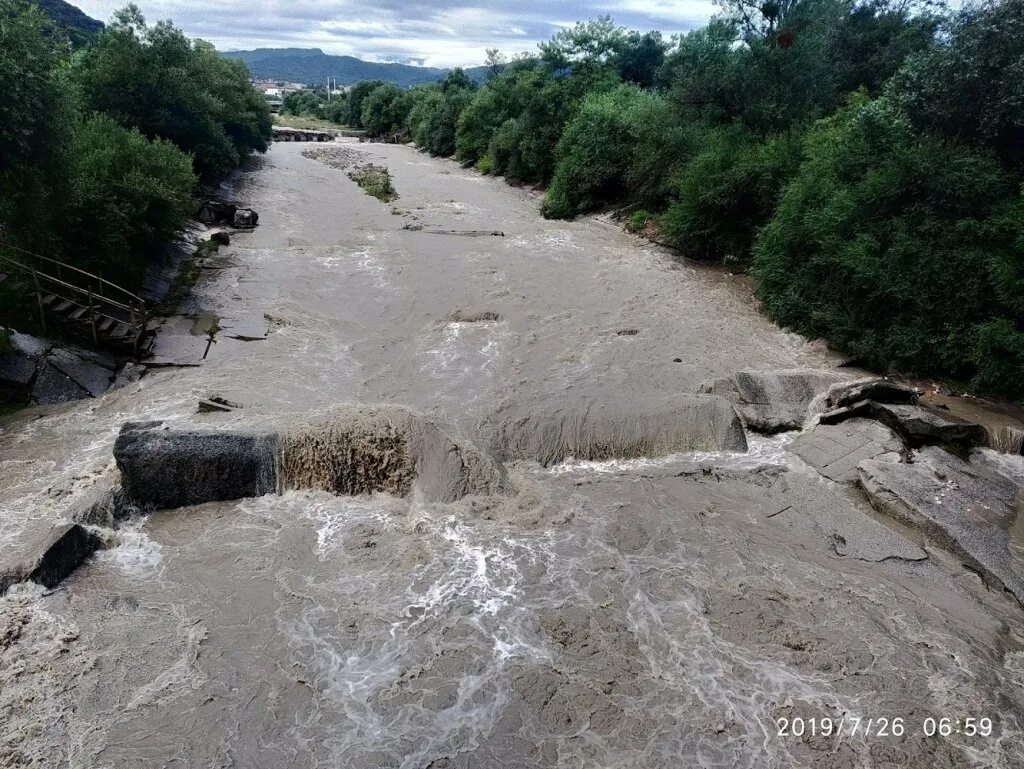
(967, 509)
(245, 218)
(621, 430)
(774, 401)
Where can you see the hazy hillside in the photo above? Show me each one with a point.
(72, 20)
(313, 66)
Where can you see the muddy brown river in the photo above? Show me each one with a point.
(661, 611)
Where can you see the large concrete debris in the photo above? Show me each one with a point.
(356, 450)
(623, 430)
(836, 450)
(47, 555)
(774, 401)
(967, 509)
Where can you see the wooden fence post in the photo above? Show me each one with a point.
(39, 298)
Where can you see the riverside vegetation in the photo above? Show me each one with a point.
(102, 147)
(863, 159)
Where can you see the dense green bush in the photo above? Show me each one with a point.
(621, 145)
(885, 243)
(728, 190)
(129, 197)
(155, 79)
(336, 110)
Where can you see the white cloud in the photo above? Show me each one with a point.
(439, 32)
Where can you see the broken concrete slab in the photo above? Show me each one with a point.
(94, 378)
(1003, 422)
(963, 508)
(175, 345)
(128, 375)
(844, 529)
(215, 403)
(917, 426)
(245, 329)
(620, 430)
(920, 426)
(53, 386)
(879, 390)
(836, 450)
(774, 401)
(47, 555)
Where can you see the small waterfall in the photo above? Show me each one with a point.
(1005, 439)
(349, 459)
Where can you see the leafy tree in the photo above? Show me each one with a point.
(435, 115)
(157, 80)
(336, 110)
(307, 103)
(640, 58)
(386, 110)
(970, 86)
(494, 62)
(129, 196)
(36, 124)
(356, 96)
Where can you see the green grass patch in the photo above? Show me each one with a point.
(375, 181)
(638, 220)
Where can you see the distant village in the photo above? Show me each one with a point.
(275, 91)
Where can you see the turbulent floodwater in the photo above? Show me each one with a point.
(645, 613)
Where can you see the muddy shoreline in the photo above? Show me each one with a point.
(621, 593)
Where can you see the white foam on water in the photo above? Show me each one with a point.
(136, 555)
(761, 452)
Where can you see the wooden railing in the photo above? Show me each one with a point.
(100, 299)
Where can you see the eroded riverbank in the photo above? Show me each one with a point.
(640, 613)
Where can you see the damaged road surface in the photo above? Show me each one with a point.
(552, 499)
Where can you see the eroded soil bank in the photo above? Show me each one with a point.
(648, 612)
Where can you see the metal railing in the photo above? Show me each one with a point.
(100, 298)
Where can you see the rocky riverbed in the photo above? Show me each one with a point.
(488, 490)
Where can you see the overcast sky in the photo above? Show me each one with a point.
(441, 33)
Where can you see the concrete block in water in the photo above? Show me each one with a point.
(161, 468)
(622, 430)
(47, 555)
(355, 450)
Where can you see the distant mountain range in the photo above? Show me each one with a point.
(312, 66)
(78, 26)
